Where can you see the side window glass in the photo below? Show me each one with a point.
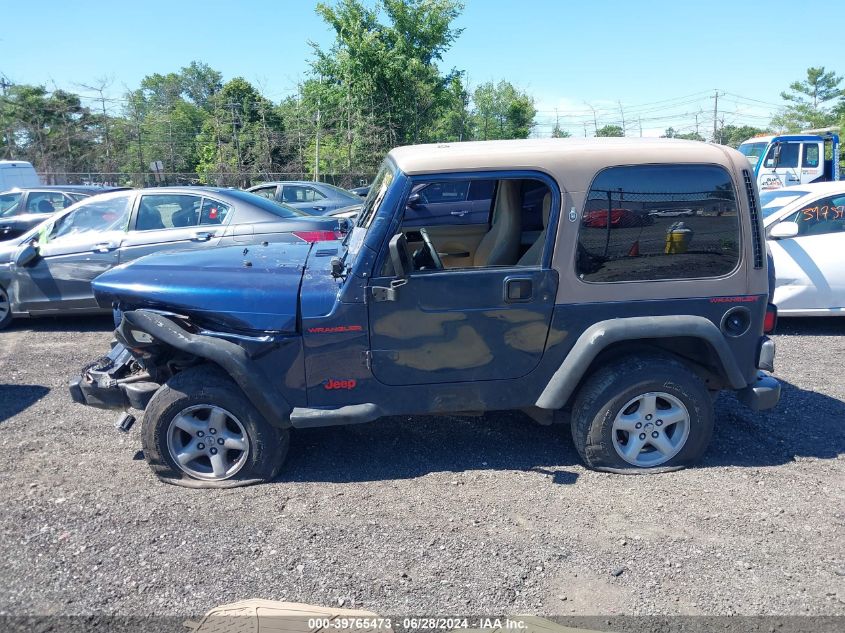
(298, 193)
(821, 217)
(214, 212)
(266, 192)
(789, 155)
(167, 211)
(97, 215)
(10, 204)
(811, 155)
(487, 239)
(45, 202)
(448, 191)
(652, 222)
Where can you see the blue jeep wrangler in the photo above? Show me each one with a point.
(604, 309)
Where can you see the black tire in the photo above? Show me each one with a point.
(609, 389)
(5, 309)
(208, 385)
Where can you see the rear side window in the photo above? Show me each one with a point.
(653, 222)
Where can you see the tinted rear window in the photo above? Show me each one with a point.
(271, 206)
(651, 222)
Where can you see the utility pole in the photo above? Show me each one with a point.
(233, 106)
(141, 154)
(317, 140)
(595, 120)
(640, 121)
(622, 112)
(716, 117)
(5, 84)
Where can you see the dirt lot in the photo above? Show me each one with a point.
(441, 515)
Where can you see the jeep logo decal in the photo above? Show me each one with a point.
(331, 383)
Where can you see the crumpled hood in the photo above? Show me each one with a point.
(243, 289)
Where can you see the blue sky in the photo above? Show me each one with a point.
(662, 60)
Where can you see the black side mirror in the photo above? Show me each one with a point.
(26, 254)
(399, 255)
(776, 157)
(413, 200)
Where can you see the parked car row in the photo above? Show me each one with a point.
(49, 269)
(804, 229)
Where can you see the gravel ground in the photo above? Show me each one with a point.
(435, 516)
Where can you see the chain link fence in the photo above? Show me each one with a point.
(162, 179)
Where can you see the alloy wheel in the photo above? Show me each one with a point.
(208, 442)
(651, 429)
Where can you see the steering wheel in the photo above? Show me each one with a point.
(435, 256)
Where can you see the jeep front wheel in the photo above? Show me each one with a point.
(201, 431)
(639, 415)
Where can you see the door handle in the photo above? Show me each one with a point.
(202, 236)
(519, 289)
(460, 214)
(319, 208)
(104, 247)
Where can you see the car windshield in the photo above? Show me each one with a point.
(369, 210)
(271, 206)
(773, 201)
(753, 151)
(10, 204)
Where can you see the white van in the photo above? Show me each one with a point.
(17, 173)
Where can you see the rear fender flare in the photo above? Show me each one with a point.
(232, 358)
(600, 335)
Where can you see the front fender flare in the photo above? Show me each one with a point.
(232, 358)
(604, 333)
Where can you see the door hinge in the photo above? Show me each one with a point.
(389, 293)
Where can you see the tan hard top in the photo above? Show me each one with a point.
(571, 161)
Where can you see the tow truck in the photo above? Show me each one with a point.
(783, 160)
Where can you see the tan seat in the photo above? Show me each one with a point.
(535, 253)
(500, 245)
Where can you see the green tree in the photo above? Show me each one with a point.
(559, 132)
(240, 138)
(733, 135)
(52, 130)
(688, 136)
(379, 85)
(806, 101)
(501, 111)
(610, 130)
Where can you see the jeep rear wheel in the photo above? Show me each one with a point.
(201, 431)
(640, 415)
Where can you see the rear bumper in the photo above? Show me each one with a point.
(763, 393)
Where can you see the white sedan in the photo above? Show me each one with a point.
(805, 230)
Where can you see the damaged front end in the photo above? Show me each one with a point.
(152, 346)
(134, 369)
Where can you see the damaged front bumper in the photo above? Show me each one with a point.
(111, 383)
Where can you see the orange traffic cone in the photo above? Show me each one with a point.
(635, 249)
